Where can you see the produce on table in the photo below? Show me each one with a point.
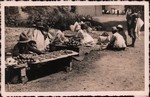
(10, 62)
(32, 58)
(74, 41)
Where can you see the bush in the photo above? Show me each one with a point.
(58, 17)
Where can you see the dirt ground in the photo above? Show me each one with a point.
(99, 71)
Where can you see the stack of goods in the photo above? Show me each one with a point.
(74, 41)
(32, 58)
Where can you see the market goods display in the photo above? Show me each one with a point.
(32, 58)
(25, 58)
(74, 41)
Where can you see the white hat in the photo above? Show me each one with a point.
(120, 26)
(114, 28)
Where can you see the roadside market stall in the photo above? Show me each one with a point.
(24, 62)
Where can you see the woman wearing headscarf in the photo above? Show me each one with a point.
(41, 36)
(86, 39)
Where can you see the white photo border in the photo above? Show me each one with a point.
(81, 93)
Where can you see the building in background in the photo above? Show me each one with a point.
(99, 10)
(113, 9)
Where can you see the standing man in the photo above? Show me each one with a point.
(132, 28)
(131, 24)
(117, 12)
(128, 18)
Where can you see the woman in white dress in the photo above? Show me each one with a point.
(41, 36)
(86, 39)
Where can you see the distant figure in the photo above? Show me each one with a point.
(117, 42)
(117, 12)
(122, 32)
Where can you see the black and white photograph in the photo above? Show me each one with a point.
(50, 47)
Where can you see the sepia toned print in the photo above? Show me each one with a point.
(69, 48)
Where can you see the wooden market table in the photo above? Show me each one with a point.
(24, 67)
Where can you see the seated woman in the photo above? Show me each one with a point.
(41, 36)
(86, 39)
(57, 36)
(103, 40)
(117, 42)
(25, 46)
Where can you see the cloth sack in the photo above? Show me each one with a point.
(139, 24)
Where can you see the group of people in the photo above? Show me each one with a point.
(118, 41)
(39, 39)
(134, 24)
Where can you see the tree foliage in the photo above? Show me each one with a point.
(52, 16)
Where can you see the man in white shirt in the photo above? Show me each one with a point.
(117, 42)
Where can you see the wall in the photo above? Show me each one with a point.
(117, 7)
(89, 10)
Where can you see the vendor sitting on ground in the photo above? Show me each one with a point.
(89, 29)
(86, 39)
(103, 40)
(122, 32)
(41, 36)
(58, 35)
(25, 46)
(117, 42)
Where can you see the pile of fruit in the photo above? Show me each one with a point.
(25, 58)
(32, 58)
(74, 41)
